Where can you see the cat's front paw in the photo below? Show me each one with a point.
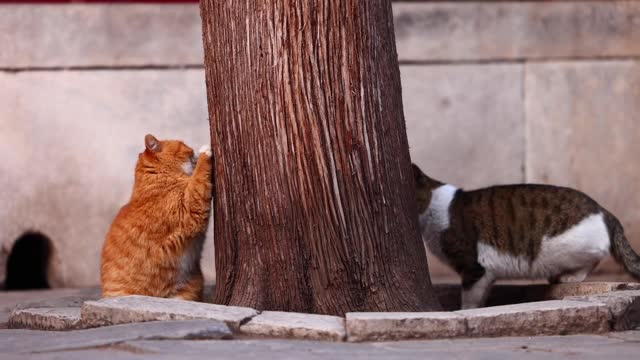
(206, 149)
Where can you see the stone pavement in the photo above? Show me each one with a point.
(29, 344)
(199, 331)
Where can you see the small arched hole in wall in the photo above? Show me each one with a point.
(28, 262)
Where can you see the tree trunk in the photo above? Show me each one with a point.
(314, 206)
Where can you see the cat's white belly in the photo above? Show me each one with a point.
(580, 247)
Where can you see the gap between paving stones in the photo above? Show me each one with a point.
(125, 345)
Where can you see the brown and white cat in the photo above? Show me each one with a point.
(517, 231)
(155, 242)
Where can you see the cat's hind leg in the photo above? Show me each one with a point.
(576, 276)
(476, 286)
(192, 290)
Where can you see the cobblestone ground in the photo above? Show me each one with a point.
(27, 344)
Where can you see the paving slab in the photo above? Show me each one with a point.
(296, 325)
(135, 308)
(63, 297)
(33, 341)
(555, 317)
(65, 318)
(624, 307)
(378, 326)
(557, 347)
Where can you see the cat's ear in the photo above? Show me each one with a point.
(151, 143)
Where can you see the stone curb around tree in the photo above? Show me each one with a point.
(555, 317)
(614, 310)
(64, 318)
(381, 326)
(624, 307)
(136, 308)
(296, 325)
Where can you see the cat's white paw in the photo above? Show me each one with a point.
(206, 149)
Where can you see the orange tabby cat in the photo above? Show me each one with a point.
(155, 242)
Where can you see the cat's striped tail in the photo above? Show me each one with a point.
(620, 247)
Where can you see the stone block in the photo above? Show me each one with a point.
(66, 318)
(556, 317)
(128, 309)
(512, 294)
(100, 35)
(143, 34)
(74, 138)
(465, 120)
(513, 30)
(404, 326)
(624, 307)
(583, 131)
(506, 294)
(296, 325)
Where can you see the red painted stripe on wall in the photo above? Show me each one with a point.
(159, 2)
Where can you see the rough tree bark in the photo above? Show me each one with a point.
(314, 204)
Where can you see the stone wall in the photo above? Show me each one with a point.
(494, 92)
